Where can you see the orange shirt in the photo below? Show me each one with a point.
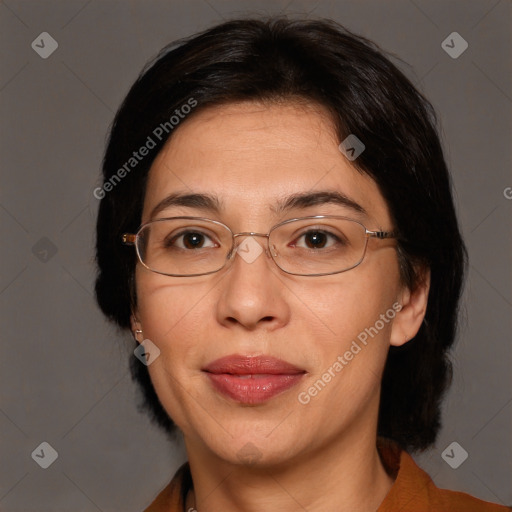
(413, 490)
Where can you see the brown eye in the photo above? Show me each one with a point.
(193, 240)
(315, 239)
(190, 240)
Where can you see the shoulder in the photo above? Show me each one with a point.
(414, 490)
(455, 501)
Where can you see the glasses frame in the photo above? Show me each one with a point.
(132, 238)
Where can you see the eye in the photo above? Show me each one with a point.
(190, 240)
(316, 239)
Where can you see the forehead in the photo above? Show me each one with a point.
(252, 156)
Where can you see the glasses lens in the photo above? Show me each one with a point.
(318, 246)
(183, 247)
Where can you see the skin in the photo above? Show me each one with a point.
(320, 456)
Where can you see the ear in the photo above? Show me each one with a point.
(413, 304)
(136, 327)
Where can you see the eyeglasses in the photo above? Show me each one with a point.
(309, 246)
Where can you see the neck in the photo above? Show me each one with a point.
(345, 475)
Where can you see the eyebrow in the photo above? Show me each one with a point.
(303, 200)
(307, 199)
(205, 202)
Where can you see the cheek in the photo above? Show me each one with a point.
(346, 377)
(357, 312)
(174, 316)
(166, 305)
(352, 302)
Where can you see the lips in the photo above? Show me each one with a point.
(252, 380)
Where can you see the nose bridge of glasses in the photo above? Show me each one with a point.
(249, 234)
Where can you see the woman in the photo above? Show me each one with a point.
(277, 230)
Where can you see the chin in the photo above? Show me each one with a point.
(258, 449)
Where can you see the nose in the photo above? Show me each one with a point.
(252, 294)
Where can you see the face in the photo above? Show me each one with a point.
(302, 337)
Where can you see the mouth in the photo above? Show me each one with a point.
(252, 380)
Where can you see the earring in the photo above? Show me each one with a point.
(136, 333)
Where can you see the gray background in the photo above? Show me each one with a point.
(64, 371)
